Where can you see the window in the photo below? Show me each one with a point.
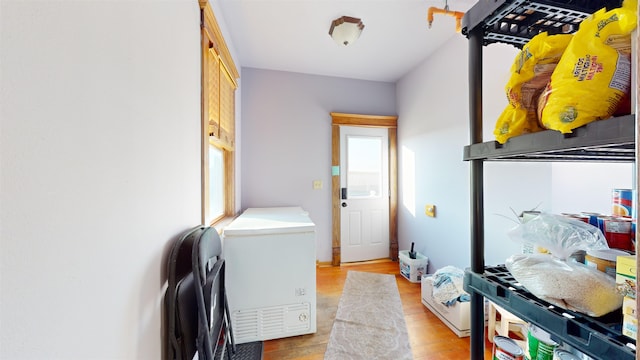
(218, 122)
(216, 182)
(364, 167)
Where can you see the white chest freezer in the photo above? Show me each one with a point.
(270, 256)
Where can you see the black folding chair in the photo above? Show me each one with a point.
(213, 322)
(195, 300)
(180, 299)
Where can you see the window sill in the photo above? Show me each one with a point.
(221, 223)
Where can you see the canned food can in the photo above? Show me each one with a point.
(506, 349)
(617, 231)
(539, 344)
(560, 354)
(622, 202)
(633, 234)
(593, 217)
(601, 220)
(580, 217)
(575, 352)
(604, 260)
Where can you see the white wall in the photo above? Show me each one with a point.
(433, 112)
(588, 186)
(99, 146)
(286, 138)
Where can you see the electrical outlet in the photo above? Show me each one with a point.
(430, 210)
(317, 184)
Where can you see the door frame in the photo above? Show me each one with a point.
(382, 121)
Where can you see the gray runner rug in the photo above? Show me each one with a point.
(369, 322)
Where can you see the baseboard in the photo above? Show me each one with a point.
(329, 264)
(374, 261)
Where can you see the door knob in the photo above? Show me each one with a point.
(344, 204)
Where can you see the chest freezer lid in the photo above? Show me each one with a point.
(273, 220)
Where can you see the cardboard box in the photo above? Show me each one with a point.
(626, 266)
(626, 275)
(629, 306)
(412, 269)
(630, 326)
(456, 317)
(626, 283)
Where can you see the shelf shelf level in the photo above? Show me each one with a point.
(610, 140)
(515, 22)
(595, 337)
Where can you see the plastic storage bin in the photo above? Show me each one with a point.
(412, 269)
(456, 317)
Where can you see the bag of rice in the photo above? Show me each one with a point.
(567, 284)
(594, 73)
(530, 73)
(556, 277)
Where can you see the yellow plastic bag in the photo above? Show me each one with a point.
(513, 122)
(593, 74)
(530, 73)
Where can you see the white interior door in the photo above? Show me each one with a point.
(364, 183)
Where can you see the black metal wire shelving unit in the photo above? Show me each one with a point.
(515, 22)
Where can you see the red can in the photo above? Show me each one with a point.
(505, 348)
(617, 231)
(580, 217)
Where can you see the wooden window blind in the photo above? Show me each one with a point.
(227, 108)
(211, 84)
(219, 76)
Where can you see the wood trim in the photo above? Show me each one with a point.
(393, 194)
(335, 195)
(323, 263)
(390, 122)
(229, 178)
(364, 120)
(211, 26)
(217, 110)
(204, 124)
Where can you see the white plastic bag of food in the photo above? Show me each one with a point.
(561, 235)
(556, 277)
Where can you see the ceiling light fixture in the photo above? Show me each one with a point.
(346, 30)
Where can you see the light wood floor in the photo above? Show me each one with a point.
(430, 338)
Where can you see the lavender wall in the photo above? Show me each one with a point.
(286, 138)
(433, 128)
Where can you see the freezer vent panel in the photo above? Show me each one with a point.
(271, 322)
(245, 324)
